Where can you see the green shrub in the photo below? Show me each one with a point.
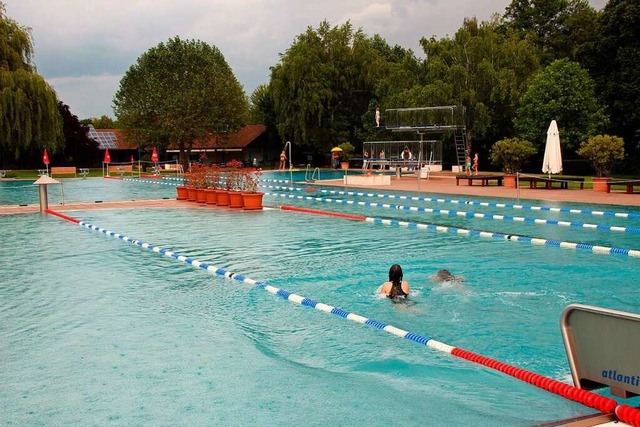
(511, 154)
(603, 152)
(347, 150)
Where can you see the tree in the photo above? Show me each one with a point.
(613, 61)
(564, 92)
(29, 119)
(323, 85)
(560, 28)
(398, 72)
(104, 122)
(79, 149)
(482, 69)
(261, 111)
(179, 92)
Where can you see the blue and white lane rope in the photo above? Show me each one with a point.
(490, 216)
(180, 181)
(487, 234)
(276, 291)
(151, 181)
(474, 202)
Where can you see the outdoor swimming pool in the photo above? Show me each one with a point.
(98, 331)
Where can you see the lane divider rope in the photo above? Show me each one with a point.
(629, 215)
(603, 404)
(507, 218)
(487, 234)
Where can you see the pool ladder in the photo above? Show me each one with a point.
(315, 175)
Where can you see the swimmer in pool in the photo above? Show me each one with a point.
(446, 276)
(395, 288)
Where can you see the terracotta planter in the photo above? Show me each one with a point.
(223, 197)
(201, 196)
(509, 181)
(235, 200)
(191, 194)
(344, 165)
(253, 200)
(600, 184)
(182, 193)
(211, 196)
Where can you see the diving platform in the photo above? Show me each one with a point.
(443, 119)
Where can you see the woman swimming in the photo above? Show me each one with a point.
(395, 288)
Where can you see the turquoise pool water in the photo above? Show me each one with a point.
(97, 331)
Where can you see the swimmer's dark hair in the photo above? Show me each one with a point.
(395, 277)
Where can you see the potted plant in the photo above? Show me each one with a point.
(603, 152)
(193, 181)
(347, 152)
(511, 154)
(181, 190)
(251, 197)
(199, 175)
(213, 183)
(233, 184)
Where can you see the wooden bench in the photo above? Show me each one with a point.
(63, 170)
(627, 183)
(172, 167)
(549, 183)
(121, 169)
(484, 179)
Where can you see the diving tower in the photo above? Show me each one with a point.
(432, 120)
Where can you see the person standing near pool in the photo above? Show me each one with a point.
(283, 161)
(396, 287)
(475, 164)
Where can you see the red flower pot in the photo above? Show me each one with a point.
(211, 196)
(223, 197)
(235, 200)
(182, 193)
(600, 184)
(252, 201)
(201, 196)
(191, 194)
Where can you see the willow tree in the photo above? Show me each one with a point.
(29, 118)
(323, 84)
(179, 92)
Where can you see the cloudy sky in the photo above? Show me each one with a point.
(84, 47)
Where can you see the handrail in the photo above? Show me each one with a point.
(306, 173)
(314, 176)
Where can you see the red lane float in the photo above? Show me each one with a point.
(603, 404)
(326, 213)
(59, 215)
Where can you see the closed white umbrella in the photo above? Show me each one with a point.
(552, 162)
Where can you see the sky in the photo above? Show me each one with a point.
(83, 48)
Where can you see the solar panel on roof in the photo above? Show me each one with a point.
(105, 140)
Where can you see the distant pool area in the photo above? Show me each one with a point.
(100, 331)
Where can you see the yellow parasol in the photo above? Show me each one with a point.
(334, 149)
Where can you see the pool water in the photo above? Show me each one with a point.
(98, 331)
